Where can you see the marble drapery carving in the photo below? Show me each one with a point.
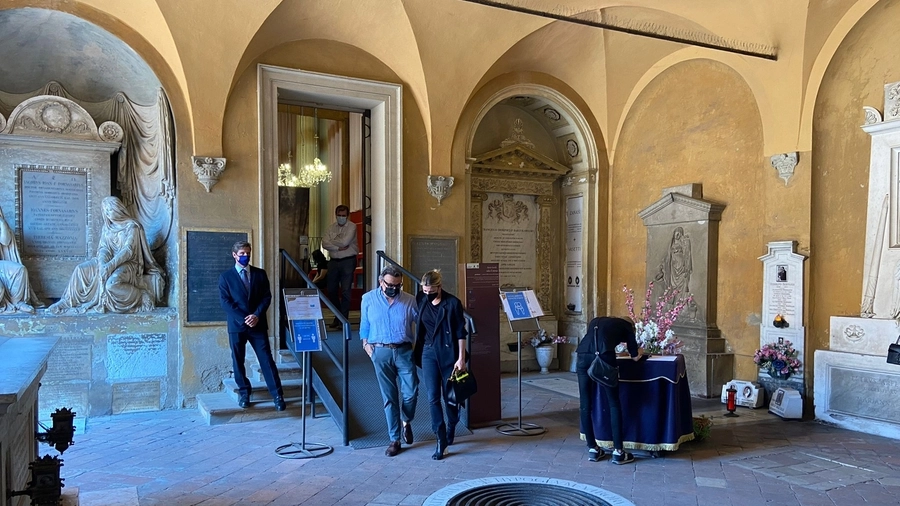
(123, 278)
(146, 171)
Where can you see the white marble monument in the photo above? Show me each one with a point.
(783, 282)
(855, 387)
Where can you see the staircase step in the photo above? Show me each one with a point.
(219, 408)
(286, 370)
(292, 388)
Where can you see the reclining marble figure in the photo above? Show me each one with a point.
(123, 278)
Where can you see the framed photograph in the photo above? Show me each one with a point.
(781, 273)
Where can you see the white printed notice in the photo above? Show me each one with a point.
(521, 305)
(54, 213)
(574, 272)
(302, 307)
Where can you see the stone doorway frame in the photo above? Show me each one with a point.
(385, 178)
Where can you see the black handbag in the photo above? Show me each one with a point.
(894, 353)
(460, 387)
(600, 371)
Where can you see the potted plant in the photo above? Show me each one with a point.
(544, 345)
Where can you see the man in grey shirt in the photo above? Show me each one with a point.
(386, 323)
(340, 242)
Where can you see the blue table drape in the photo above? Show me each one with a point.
(656, 405)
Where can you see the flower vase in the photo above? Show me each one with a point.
(544, 355)
(778, 375)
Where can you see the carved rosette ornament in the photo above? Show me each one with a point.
(110, 131)
(439, 187)
(208, 170)
(785, 164)
(872, 115)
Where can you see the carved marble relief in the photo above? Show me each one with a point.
(503, 182)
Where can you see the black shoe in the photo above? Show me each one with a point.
(244, 401)
(451, 434)
(622, 458)
(441, 449)
(596, 454)
(279, 404)
(407, 433)
(393, 449)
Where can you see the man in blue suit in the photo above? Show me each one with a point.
(245, 296)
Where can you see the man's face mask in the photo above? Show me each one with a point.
(391, 290)
(342, 220)
(243, 260)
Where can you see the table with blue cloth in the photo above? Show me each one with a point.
(656, 405)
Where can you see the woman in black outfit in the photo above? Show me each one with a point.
(610, 331)
(440, 348)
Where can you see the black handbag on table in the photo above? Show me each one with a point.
(600, 371)
(894, 353)
(460, 387)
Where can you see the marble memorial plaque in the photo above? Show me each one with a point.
(574, 252)
(427, 253)
(136, 356)
(134, 397)
(73, 396)
(864, 393)
(70, 360)
(509, 231)
(53, 212)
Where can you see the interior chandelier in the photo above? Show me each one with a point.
(308, 175)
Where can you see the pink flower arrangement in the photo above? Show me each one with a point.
(779, 359)
(653, 324)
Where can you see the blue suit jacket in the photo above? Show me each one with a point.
(237, 303)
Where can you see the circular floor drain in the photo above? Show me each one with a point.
(523, 490)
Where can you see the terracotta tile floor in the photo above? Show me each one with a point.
(173, 458)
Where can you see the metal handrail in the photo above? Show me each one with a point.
(343, 363)
(382, 257)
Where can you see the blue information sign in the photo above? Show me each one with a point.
(306, 335)
(518, 306)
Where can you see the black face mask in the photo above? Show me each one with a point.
(433, 295)
(391, 291)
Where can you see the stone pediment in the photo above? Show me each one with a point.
(517, 161)
(678, 208)
(57, 117)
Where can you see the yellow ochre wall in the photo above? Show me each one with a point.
(660, 114)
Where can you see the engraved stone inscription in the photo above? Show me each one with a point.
(53, 212)
(865, 394)
(136, 356)
(509, 228)
(781, 299)
(70, 360)
(73, 396)
(133, 397)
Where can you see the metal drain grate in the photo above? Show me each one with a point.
(522, 491)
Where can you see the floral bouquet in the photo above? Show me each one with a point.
(541, 338)
(778, 359)
(653, 324)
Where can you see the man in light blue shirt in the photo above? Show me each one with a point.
(387, 315)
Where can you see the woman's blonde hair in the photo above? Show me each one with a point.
(432, 278)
